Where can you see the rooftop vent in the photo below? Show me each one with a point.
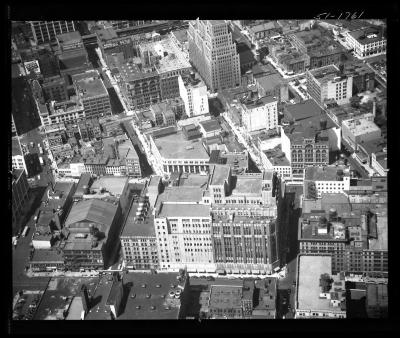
(143, 285)
(152, 307)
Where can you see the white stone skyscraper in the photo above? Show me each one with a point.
(214, 54)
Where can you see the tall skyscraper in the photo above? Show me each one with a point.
(46, 31)
(214, 54)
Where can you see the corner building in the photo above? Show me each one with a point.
(214, 54)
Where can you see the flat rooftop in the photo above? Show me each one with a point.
(171, 58)
(226, 297)
(261, 101)
(210, 125)
(277, 157)
(325, 173)
(69, 38)
(133, 227)
(193, 180)
(250, 186)
(326, 73)
(302, 110)
(310, 270)
(175, 146)
(220, 175)
(361, 126)
(380, 243)
(184, 210)
(15, 148)
(180, 194)
(47, 256)
(92, 87)
(112, 184)
(159, 305)
(367, 35)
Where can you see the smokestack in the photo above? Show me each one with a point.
(374, 107)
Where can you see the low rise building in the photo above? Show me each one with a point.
(175, 153)
(17, 155)
(46, 260)
(327, 179)
(376, 154)
(276, 160)
(367, 42)
(55, 88)
(270, 83)
(319, 294)
(360, 129)
(210, 128)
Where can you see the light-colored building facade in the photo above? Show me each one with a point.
(175, 153)
(183, 234)
(194, 97)
(367, 42)
(360, 129)
(261, 114)
(214, 54)
(327, 83)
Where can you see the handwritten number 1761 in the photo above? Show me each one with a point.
(345, 16)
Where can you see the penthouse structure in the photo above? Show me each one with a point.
(367, 42)
(46, 31)
(92, 233)
(247, 188)
(329, 82)
(93, 94)
(214, 54)
(318, 45)
(243, 238)
(319, 294)
(327, 179)
(176, 153)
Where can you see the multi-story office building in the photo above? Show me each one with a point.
(183, 232)
(46, 31)
(213, 53)
(55, 89)
(367, 42)
(261, 113)
(244, 239)
(20, 189)
(319, 180)
(363, 77)
(93, 94)
(328, 83)
(304, 149)
(138, 238)
(194, 94)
